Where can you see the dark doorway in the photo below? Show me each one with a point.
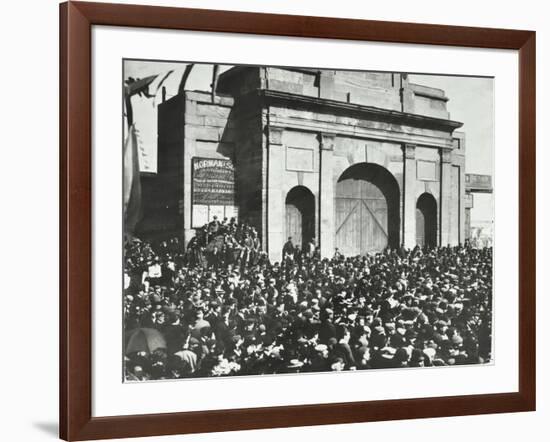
(366, 210)
(426, 221)
(300, 215)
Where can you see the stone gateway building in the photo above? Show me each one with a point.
(356, 160)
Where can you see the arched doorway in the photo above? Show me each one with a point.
(426, 221)
(366, 210)
(300, 215)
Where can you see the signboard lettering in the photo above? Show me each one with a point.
(213, 182)
(213, 190)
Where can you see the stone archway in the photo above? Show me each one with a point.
(300, 215)
(426, 220)
(366, 210)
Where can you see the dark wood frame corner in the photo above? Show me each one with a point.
(76, 20)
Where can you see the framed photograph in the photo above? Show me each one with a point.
(272, 221)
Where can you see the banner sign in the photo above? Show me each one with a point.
(213, 182)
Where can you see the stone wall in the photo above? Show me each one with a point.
(284, 128)
(189, 125)
(385, 90)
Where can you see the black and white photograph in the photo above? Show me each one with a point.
(280, 220)
(294, 220)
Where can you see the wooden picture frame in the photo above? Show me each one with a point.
(76, 21)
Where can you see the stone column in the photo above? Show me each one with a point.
(326, 195)
(445, 198)
(409, 196)
(468, 205)
(275, 198)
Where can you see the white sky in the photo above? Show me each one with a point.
(470, 102)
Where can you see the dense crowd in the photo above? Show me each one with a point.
(219, 307)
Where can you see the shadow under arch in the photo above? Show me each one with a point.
(426, 220)
(300, 215)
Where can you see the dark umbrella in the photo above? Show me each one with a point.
(215, 242)
(144, 339)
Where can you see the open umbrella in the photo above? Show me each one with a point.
(144, 339)
(217, 241)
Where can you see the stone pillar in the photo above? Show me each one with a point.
(468, 205)
(188, 231)
(462, 235)
(409, 196)
(326, 195)
(467, 224)
(326, 84)
(275, 198)
(445, 198)
(407, 94)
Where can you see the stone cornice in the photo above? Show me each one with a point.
(366, 112)
(343, 130)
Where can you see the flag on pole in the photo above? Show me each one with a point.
(131, 182)
(139, 86)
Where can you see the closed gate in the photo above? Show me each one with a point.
(366, 210)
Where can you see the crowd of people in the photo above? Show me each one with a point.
(219, 307)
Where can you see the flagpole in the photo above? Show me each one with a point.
(214, 84)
